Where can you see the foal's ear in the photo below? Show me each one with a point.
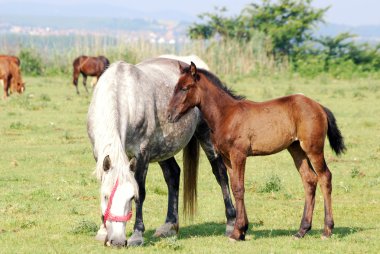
(181, 69)
(132, 164)
(193, 70)
(106, 163)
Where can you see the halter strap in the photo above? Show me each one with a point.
(107, 214)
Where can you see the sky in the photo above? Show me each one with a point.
(345, 12)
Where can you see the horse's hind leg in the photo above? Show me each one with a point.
(324, 178)
(75, 79)
(219, 169)
(85, 81)
(171, 172)
(309, 180)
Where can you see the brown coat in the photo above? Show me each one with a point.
(14, 59)
(10, 75)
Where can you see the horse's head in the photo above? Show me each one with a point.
(20, 87)
(185, 94)
(117, 192)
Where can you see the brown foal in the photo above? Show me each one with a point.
(242, 128)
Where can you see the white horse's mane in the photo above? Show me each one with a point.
(105, 128)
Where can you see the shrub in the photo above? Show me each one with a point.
(273, 184)
(31, 62)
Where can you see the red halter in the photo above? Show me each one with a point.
(107, 214)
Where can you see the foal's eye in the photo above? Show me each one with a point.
(186, 88)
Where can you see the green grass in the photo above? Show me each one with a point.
(49, 198)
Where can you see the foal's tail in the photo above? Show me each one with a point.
(333, 133)
(190, 166)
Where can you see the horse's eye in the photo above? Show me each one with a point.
(185, 88)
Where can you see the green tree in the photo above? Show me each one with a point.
(218, 24)
(288, 23)
(335, 47)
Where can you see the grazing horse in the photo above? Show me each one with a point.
(14, 59)
(88, 66)
(242, 128)
(10, 75)
(128, 128)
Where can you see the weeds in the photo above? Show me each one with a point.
(85, 227)
(169, 243)
(273, 184)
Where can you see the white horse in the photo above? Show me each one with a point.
(128, 128)
(188, 59)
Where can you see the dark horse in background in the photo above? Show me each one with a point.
(242, 128)
(88, 66)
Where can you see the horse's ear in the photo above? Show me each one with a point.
(106, 163)
(193, 70)
(181, 69)
(132, 164)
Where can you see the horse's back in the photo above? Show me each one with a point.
(188, 59)
(10, 58)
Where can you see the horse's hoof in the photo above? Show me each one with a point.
(237, 236)
(229, 229)
(325, 237)
(101, 234)
(232, 240)
(166, 230)
(298, 236)
(136, 239)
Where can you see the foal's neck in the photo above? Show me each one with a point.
(214, 103)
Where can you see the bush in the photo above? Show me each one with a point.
(273, 184)
(31, 62)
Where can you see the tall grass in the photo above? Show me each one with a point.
(228, 57)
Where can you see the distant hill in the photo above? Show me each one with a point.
(112, 17)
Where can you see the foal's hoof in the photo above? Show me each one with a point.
(101, 234)
(136, 239)
(325, 236)
(166, 230)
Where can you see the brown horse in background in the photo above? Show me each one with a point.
(14, 59)
(10, 75)
(242, 128)
(88, 66)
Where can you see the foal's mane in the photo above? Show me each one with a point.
(218, 83)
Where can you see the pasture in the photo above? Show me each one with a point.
(50, 199)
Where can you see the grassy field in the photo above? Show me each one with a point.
(49, 198)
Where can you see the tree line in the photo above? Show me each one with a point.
(289, 26)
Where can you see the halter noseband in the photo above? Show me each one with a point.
(107, 214)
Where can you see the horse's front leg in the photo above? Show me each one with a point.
(236, 168)
(171, 172)
(136, 238)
